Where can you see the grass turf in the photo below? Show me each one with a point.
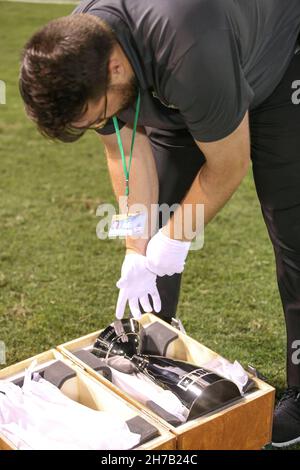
(57, 279)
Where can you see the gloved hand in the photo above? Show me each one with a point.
(166, 256)
(135, 284)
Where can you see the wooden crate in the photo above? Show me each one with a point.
(94, 394)
(245, 424)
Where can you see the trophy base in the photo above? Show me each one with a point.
(215, 396)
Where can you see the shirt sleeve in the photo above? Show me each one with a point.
(209, 87)
(109, 127)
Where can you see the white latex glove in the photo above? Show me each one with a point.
(135, 284)
(166, 256)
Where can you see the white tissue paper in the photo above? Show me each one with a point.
(231, 371)
(39, 416)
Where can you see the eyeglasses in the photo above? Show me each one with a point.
(99, 123)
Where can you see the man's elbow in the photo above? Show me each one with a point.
(237, 169)
(243, 164)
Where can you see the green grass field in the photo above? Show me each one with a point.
(57, 279)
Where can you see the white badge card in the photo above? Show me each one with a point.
(124, 225)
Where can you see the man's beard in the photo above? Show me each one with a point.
(127, 93)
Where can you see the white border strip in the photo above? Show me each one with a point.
(44, 2)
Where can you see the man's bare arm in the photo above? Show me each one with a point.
(227, 162)
(143, 182)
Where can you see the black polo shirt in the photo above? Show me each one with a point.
(201, 64)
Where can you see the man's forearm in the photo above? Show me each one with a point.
(210, 189)
(143, 181)
(227, 162)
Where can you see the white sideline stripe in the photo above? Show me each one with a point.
(41, 2)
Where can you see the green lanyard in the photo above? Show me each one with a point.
(117, 129)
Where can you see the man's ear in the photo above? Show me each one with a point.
(116, 67)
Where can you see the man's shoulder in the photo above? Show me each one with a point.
(84, 6)
(178, 10)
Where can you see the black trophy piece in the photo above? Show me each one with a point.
(199, 389)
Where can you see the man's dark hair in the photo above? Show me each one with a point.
(63, 66)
